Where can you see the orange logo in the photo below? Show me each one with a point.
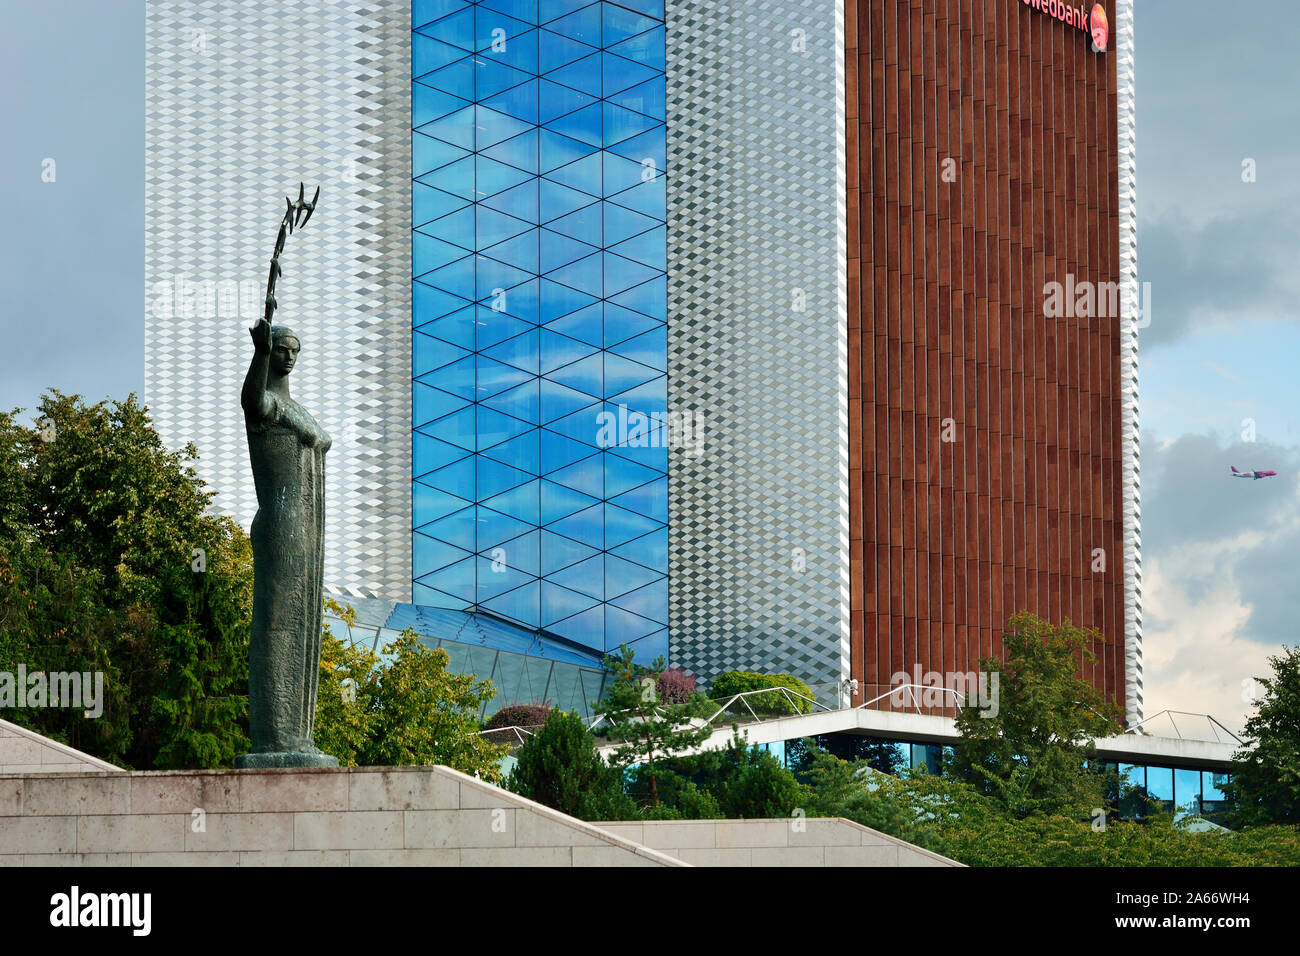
(1098, 27)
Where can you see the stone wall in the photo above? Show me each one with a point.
(424, 816)
(22, 751)
(794, 842)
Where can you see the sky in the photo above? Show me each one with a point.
(1219, 251)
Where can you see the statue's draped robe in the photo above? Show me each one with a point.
(287, 449)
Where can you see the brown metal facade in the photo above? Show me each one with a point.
(946, 320)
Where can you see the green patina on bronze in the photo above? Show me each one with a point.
(287, 449)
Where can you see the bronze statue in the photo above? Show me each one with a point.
(287, 449)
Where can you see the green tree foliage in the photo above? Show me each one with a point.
(1031, 755)
(651, 729)
(403, 708)
(105, 531)
(1265, 784)
(775, 702)
(560, 767)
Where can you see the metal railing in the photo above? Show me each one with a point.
(1209, 718)
(959, 700)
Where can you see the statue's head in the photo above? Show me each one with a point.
(285, 346)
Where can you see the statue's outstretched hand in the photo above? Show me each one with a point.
(261, 334)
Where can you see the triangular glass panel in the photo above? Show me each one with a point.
(525, 10)
(521, 503)
(430, 504)
(587, 476)
(429, 403)
(619, 23)
(622, 324)
(557, 200)
(457, 580)
(557, 150)
(559, 502)
(557, 451)
(495, 428)
(492, 177)
(456, 177)
(517, 50)
(558, 300)
(586, 628)
(517, 300)
(459, 475)
(582, 25)
(560, 400)
(649, 348)
(492, 226)
(620, 124)
(649, 199)
(648, 98)
(457, 328)
(649, 550)
(429, 554)
(624, 576)
(559, 250)
(650, 500)
(584, 376)
(555, 50)
(585, 224)
(520, 252)
(559, 603)
(493, 26)
(456, 228)
(621, 475)
(551, 9)
(583, 124)
(522, 452)
(456, 29)
(428, 454)
(453, 78)
(648, 449)
(457, 529)
(518, 151)
(649, 298)
(428, 253)
(493, 327)
(560, 552)
(649, 48)
(427, 11)
(652, 144)
(518, 101)
(493, 275)
(521, 351)
(583, 325)
(583, 174)
(649, 248)
(586, 577)
(427, 105)
(494, 377)
(429, 353)
(622, 525)
(621, 274)
(522, 553)
(523, 604)
(456, 378)
(585, 275)
(496, 577)
(623, 627)
(492, 127)
(457, 278)
(621, 223)
(428, 203)
(520, 202)
(555, 100)
(495, 527)
(618, 73)
(522, 401)
(492, 477)
(584, 425)
(558, 350)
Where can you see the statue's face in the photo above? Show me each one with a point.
(284, 353)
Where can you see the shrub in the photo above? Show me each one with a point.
(736, 682)
(561, 768)
(519, 715)
(675, 686)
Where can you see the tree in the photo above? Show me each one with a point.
(128, 575)
(1032, 753)
(1265, 783)
(651, 728)
(402, 708)
(560, 767)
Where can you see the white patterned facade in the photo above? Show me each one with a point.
(757, 338)
(243, 100)
(1135, 314)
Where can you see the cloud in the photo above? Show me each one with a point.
(1219, 559)
(1225, 272)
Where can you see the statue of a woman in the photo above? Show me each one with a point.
(287, 449)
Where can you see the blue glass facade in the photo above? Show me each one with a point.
(540, 490)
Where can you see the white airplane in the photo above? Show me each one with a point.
(1252, 474)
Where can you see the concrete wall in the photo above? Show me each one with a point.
(414, 816)
(818, 842)
(22, 751)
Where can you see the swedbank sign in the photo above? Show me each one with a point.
(1092, 21)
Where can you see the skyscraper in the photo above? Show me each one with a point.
(714, 327)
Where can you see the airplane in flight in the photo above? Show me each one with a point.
(1252, 474)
